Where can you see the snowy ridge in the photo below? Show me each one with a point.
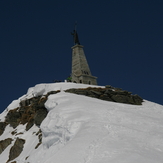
(80, 129)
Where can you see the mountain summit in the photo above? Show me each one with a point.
(79, 123)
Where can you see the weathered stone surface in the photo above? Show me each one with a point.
(25, 102)
(13, 117)
(2, 127)
(16, 149)
(108, 86)
(105, 97)
(80, 69)
(29, 124)
(52, 92)
(137, 99)
(123, 99)
(98, 93)
(40, 116)
(31, 111)
(109, 93)
(4, 144)
(40, 138)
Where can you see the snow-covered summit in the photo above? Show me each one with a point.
(80, 129)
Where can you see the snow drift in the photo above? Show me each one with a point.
(80, 129)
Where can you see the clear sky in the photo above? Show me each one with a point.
(122, 39)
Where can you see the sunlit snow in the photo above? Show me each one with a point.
(80, 129)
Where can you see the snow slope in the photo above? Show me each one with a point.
(80, 129)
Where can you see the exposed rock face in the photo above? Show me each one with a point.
(16, 149)
(2, 127)
(39, 134)
(40, 116)
(31, 111)
(4, 144)
(109, 94)
(13, 117)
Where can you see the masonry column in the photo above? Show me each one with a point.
(80, 69)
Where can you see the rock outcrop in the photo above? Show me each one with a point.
(31, 111)
(16, 149)
(2, 127)
(4, 144)
(109, 93)
(39, 134)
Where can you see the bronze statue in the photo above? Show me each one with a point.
(76, 38)
(75, 35)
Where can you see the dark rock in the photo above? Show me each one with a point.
(42, 102)
(25, 102)
(52, 92)
(40, 116)
(123, 99)
(81, 92)
(108, 86)
(2, 127)
(22, 109)
(77, 91)
(40, 140)
(14, 132)
(16, 149)
(89, 93)
(13, 118)
(31, 111)
(105, 97)
(125, 93)
(137, 99)
(96, 92)
(4, 144)
(29, 124)
(109, 93)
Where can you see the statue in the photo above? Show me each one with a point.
(76, 38)
(75, 35)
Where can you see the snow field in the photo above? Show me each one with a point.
(80, 129)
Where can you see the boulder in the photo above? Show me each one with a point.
(105, 97)
(52, 92)
(98, 93)
(29, 124)
(13, 118)
(109, 93)
(137, 100)
(2, 127)
(40, 116)
(31, 111)
(16, 149)
(123, 99)
(4, 144)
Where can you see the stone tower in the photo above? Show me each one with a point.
(80, 69)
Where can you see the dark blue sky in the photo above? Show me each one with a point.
(122, 39)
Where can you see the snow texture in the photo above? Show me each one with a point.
(80, 129)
